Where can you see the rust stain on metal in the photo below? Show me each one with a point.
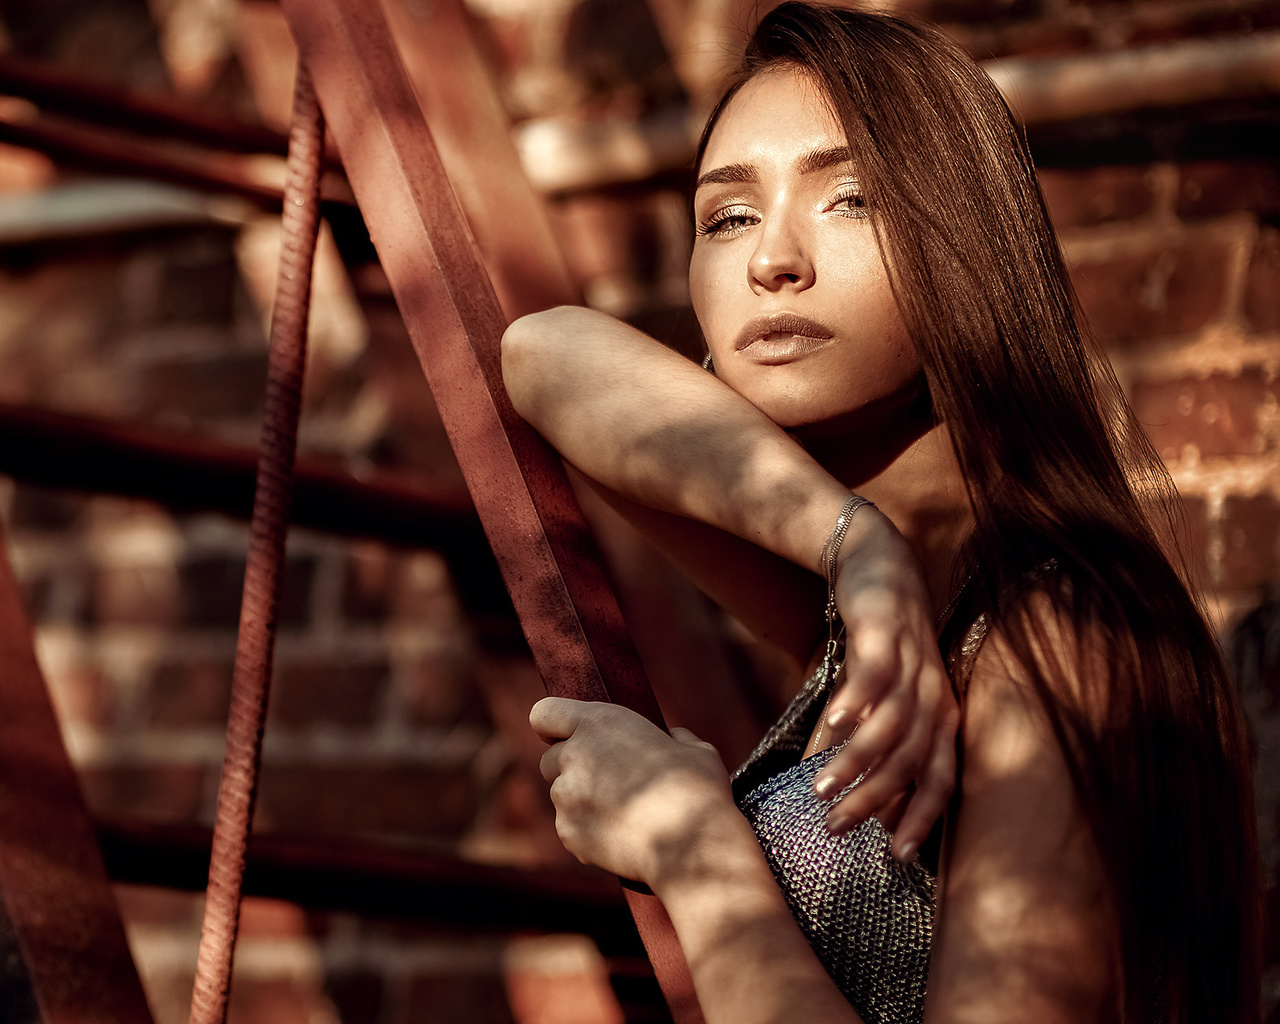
(59, 910)
(264, 572)
(537, 531)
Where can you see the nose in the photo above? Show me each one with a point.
(780, 259)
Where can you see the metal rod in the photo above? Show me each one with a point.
(264, 574)
(564, 156)
(336, 874)
(63, 954)
(109, 153)
(189, 474)
(54, 90)
(1046, 89)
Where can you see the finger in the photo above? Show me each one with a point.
(931, 797)
(556, 718)
(875, 668)
(685, 736)
(891, 813)
(549, 763)
(882, 730)
(887, 780)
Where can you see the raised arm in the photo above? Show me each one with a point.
(647, 424)
(654, 427)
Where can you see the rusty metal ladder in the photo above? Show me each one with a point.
(59, 932)
(539, 537)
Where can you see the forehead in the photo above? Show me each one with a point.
(777, 114)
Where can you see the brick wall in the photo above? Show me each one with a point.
(381, 723)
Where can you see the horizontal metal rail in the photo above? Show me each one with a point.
(56, 91)
(184, 473)
(110, 152)
(335, 874)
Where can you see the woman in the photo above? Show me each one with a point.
(885, 305)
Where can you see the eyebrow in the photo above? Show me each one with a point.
(809, 163)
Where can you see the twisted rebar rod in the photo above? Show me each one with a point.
(265, 568)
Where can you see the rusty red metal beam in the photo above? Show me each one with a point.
(185, 473)
(455, 322)
(54, 90)
(108, 152)
(542, 544)
(264, 571)
(331, 873)
(681, 647)
(62, 946)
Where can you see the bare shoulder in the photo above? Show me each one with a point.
(1025, 928)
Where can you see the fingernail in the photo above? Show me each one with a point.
(826, 787)
(909, 853)
(837, 718)
(838, 825)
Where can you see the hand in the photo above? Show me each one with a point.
(628, 797)
(895, 692)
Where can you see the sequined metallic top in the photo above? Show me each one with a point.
(868, 917)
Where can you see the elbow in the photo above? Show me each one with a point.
(528, 355)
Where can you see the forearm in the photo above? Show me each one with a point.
(649, 424)
(749, 960)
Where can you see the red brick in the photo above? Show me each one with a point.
(1250, 542)
(617, 53)
(212, 585)
(562, 996)
(56, 594)
(1180, 22)
(370, 572)
(357, 995)
(474, 997)
(39, 509)
(200, 279)
(1217, 414)
(328, 691)
(83, 695)
(283, 1000)
(1193, 544)
(397, 799)
(1096, 195)
(972, 10)
(1214, 187)
(423, 592)
(188, 692)
(146, 905)
(1172, 290)
(1262, 286)
(157, 791)
(136, 595)
(190, 390)
(438, 688)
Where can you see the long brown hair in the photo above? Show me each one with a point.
(1058, 472)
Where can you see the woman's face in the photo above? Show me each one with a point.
(786, 277)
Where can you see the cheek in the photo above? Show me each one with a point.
(710, 295)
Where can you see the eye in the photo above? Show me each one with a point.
(728, 221)
(850, 203)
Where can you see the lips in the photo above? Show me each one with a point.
(780, 337)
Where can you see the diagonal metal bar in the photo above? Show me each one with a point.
(264, 572)
(63, 955)
(440, 284)
(541, 542)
